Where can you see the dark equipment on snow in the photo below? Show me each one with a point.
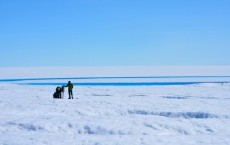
(57, 94)
(62, 91)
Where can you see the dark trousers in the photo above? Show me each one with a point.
(70, 94)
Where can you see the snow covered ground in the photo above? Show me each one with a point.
(196, 114)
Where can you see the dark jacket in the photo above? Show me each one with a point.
(70, 86)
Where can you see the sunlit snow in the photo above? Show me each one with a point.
(196, 114)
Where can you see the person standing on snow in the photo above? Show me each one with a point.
(70, 90)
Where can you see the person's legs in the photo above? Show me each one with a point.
(71, 92)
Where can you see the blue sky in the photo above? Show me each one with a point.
(114, 32)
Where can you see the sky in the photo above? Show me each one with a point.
(114, 32)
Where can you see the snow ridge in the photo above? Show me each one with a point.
(186, 115)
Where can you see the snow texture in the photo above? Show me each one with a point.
(196, 114)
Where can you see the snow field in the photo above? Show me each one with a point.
(189, 114)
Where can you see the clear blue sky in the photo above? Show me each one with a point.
(114, 32)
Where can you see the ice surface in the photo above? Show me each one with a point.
(196, 114)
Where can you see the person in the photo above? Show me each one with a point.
(70, 90)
